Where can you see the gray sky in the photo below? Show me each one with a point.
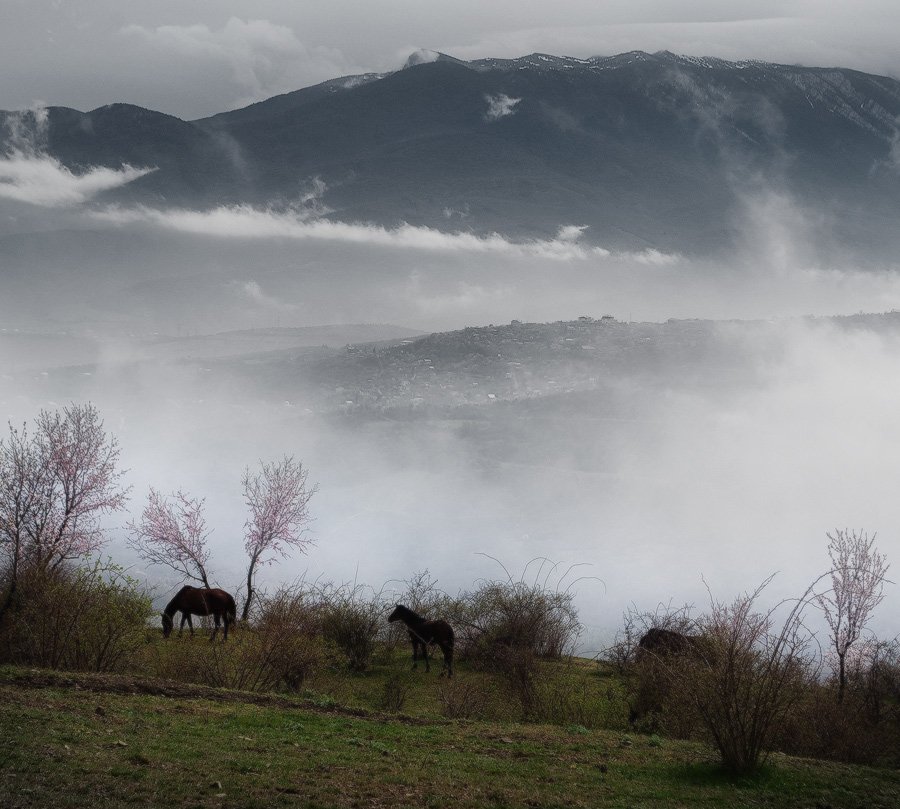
(195, 57)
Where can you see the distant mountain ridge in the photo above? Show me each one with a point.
(647, 150)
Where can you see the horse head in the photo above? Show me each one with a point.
(167, 624)
(397, 614)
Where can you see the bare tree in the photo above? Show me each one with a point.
(23, 482)
(858, 574)
(54, 486)
(278, 498)
(173, 534)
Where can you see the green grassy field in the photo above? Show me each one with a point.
(96, 741)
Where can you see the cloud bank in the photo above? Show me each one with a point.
(42, 180)
(248, 222)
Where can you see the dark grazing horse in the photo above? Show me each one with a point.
(662, 642)
(659, 651)
(199, 601)
(422, 633)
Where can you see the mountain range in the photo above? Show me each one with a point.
(645, 150)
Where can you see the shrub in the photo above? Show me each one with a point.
(649, 683)
(465, 698)
(745, 677)
(623, 653)
(280, 647)
(864, 727)
(353, 622)
(85, 619)
(395, 691)
(516, 615)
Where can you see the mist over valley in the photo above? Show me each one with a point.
(604, 311)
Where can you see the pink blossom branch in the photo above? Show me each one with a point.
(278, 499)
(173, 535)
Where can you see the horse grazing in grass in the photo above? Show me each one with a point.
(422, 633)
(199, 601)
(660, 652)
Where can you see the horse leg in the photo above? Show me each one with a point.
(189, 622)
(415, 645)
(448, 660)
(216, 630)
(226, 622)
(425, 655)
(184, 617)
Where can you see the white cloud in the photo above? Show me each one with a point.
(499, 106)
(253, 291)
(43, 180)
(247, 222)
(264, 58)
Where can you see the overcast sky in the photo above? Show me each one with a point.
(195, 57)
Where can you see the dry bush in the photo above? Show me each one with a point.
(395, 691)
(83, 619)
(421, 594)
(563, 697)
(353, 621)
(466, 698)
(863, 727)
(514, 615)
(648, 680)
(508, 626)
(623, 653)
(745, 678)
(280, 647)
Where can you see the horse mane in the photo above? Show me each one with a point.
(172, 607)
(408, 613)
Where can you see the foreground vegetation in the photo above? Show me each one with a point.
(108, 740)
(740, 678)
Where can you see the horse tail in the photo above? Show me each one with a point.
(231, 610)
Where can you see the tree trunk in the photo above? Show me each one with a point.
(842, 676)
(245, 614)
(11, 592)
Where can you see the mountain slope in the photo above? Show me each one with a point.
(648, 150)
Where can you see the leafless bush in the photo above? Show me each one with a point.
(280, 647)
(395, 691)
(514, 614)
(623, 652)
(563, 696)
(353, 620)
(421, 594)
(465, 698)
(85, 619)
(749, 673)
(863, 728)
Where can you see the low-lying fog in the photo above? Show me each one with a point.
(729, 473)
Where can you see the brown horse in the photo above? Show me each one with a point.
(423, 632)
(199, 601)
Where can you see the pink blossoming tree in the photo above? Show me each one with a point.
(277, 496)
(55, 485)
(173, 534)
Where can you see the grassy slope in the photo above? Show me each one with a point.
(86, 741)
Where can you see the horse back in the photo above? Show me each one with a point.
(437, 631)
(200, 601)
